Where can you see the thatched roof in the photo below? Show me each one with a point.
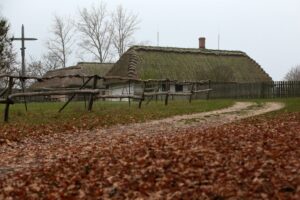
(82, 68)
(184, 64)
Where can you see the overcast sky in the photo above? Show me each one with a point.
(267, 30)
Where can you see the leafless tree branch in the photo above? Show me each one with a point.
(60, 45)
(293, 74)
(125, 25)
(96, 32)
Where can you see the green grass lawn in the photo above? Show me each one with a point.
(43, 118)
(107, 112)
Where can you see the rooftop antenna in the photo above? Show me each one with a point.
(157, 37)
(219, 38)
(218, 41)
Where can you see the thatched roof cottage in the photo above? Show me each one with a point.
(183, 64)
(187, 64)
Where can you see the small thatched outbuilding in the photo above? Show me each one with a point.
(82, 68)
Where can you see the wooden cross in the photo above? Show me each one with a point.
(23, 48)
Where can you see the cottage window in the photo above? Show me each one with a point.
(163, 87)
(178, 88)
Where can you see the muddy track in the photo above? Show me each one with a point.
(45, 150)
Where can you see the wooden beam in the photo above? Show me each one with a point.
(119, 96)
(155, 93)
(202, 91)
(180, 93)
(91, 100)
(62, 92)
(9, 91)
(22, 77)
(70, 99)
(119, 78)
(3, 92)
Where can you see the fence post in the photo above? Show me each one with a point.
(22, 80)
(236, 90)
(143, 95)
(91, 100)
(159, 85)
(192, 92)
(9, 91)
(129, 99)
(168, 91)
(209, 87)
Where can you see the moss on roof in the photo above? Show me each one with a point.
(188, 64)
(82, 68)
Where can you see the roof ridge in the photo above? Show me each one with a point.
(94, 63)
(189, 50)
(65, 68)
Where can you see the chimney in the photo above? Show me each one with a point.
(202, 42)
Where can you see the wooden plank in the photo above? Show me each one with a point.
(180, 93)
(70, 99)
(3, 92)
(119, 96)
(105, 78)
(62, 92)
(155, 93)
(202, 91)
(20, 77)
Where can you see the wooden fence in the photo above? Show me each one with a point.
(276, 89)
(149, 89)
(7, 96)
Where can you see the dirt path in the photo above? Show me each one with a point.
(45, 150)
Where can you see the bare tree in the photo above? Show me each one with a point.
(96, 32)
(50, 61)
(36, 67)
(293, 74)
(62, 39)
(125, 25)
